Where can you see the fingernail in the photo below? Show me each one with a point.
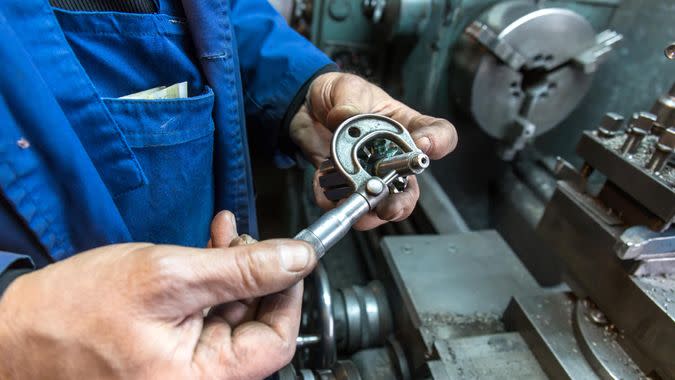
(247, 239)
(233, 221)
(295, 258)
(424, 143)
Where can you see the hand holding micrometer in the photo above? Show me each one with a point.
(371, 157)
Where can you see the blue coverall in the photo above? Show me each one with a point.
(81, 168)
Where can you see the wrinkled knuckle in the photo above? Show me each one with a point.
(163, 269)
(226, 357)
(155, 273)
(247, 265)
(350, 81)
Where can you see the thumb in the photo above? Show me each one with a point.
(247, 271)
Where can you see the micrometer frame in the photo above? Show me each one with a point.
(344, 151)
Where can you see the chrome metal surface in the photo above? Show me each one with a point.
(545, 322)
(323, 290)
(664, 109)
(640, 126)
(567, 342)
(653, 192)
(670, 51)
(452, 286)
(510, 74)
(611, 125)
(367, 189)
(403, 164)
(638, 306)
(374, 187)
(591, 59)
(518, 135)
(639, 242)
(352, 135)
(307, 340)
(493, 356)
(662, 151)
(599, 342)
(362, 317)
(332, 226)
(379, 363)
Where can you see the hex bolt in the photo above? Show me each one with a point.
(663, 151)
(611, 125)
(640, 125)
(664, 109)
(374, 187)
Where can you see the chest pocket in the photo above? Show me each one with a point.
(172, 139)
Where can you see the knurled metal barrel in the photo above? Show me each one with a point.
(334, 225)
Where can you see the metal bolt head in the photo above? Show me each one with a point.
(597, 317)
(670, 51)
(643, 122)
(611, 125)
(667, 139)
(664, 109)
(374, 186)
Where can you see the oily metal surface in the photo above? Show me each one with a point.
(639, 306)
(545, 322)
(444, 287)
(494, 356)
(598, 339)
(653, 191)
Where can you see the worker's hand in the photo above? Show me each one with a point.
(335, 97)
(134, 311)
(224, 234)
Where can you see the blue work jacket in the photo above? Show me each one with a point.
(82, 168)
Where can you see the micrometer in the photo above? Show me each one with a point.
(371, 157)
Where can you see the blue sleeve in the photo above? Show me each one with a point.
(11, 267)
(276, 62)
(11, 260)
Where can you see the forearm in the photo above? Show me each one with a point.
(270, 52)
